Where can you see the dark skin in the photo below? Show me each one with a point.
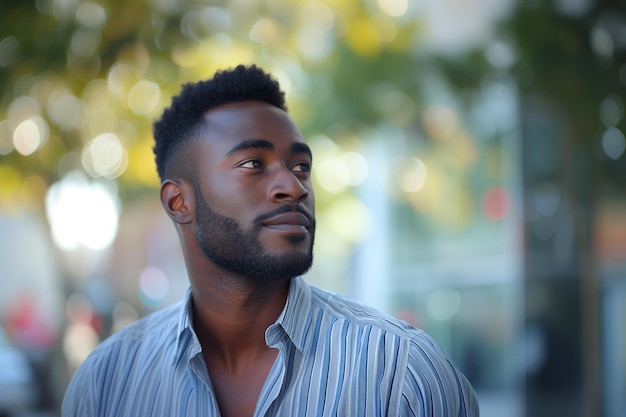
(250, 159)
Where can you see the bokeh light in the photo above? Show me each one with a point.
(611, 110)
(394, 8)
(65, 109)
(81, 336)
(315, 36)
(546, 197)
(30, 135)
(413, 176)
(443, 304)
(154, 286)
(602, 42)
(104, 156)
(122, 76)
(440, 121)
(144, 97)
(496, 203)
(613, 143)
(82, 213)
(9, 51)
(335, 170)
(85, 41)
(91, 14)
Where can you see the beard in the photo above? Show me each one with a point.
(226, 244)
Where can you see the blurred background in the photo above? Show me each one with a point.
(469, 170)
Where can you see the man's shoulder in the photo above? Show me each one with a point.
(355, 313)
(423, 365)
(151, 334)
(125, 362)
(416, 346)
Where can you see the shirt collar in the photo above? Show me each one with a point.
(185, 333)
(296, 316)
(293, 321)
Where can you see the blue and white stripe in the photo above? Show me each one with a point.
(336, 358)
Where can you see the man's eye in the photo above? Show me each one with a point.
(302, 167)
(251, 164)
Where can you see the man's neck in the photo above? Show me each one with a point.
(231, 320)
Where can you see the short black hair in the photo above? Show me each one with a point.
(176, 125)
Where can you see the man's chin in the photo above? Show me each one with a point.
(283, 268)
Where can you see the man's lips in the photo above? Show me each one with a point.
(287, 221)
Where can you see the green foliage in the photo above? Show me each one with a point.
(49, 40)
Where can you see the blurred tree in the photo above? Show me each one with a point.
(570, 69)
(568, 60)
(77, 69)
(572, 62)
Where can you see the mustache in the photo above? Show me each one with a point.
(288, 208)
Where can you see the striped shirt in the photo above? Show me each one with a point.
(336, 358)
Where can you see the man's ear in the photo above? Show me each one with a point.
(177, 200)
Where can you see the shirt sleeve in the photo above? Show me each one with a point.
(433, 386)
(78, 398)
(88, 393)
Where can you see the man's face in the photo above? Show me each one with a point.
(253, 195)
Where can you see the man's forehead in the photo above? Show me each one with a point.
(247, 106)
(247, 118)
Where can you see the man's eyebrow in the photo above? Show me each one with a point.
(300, 147)
(297, 147)
(251, 144)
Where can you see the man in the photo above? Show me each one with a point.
(252, 338)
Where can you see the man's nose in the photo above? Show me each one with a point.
(286, 186)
